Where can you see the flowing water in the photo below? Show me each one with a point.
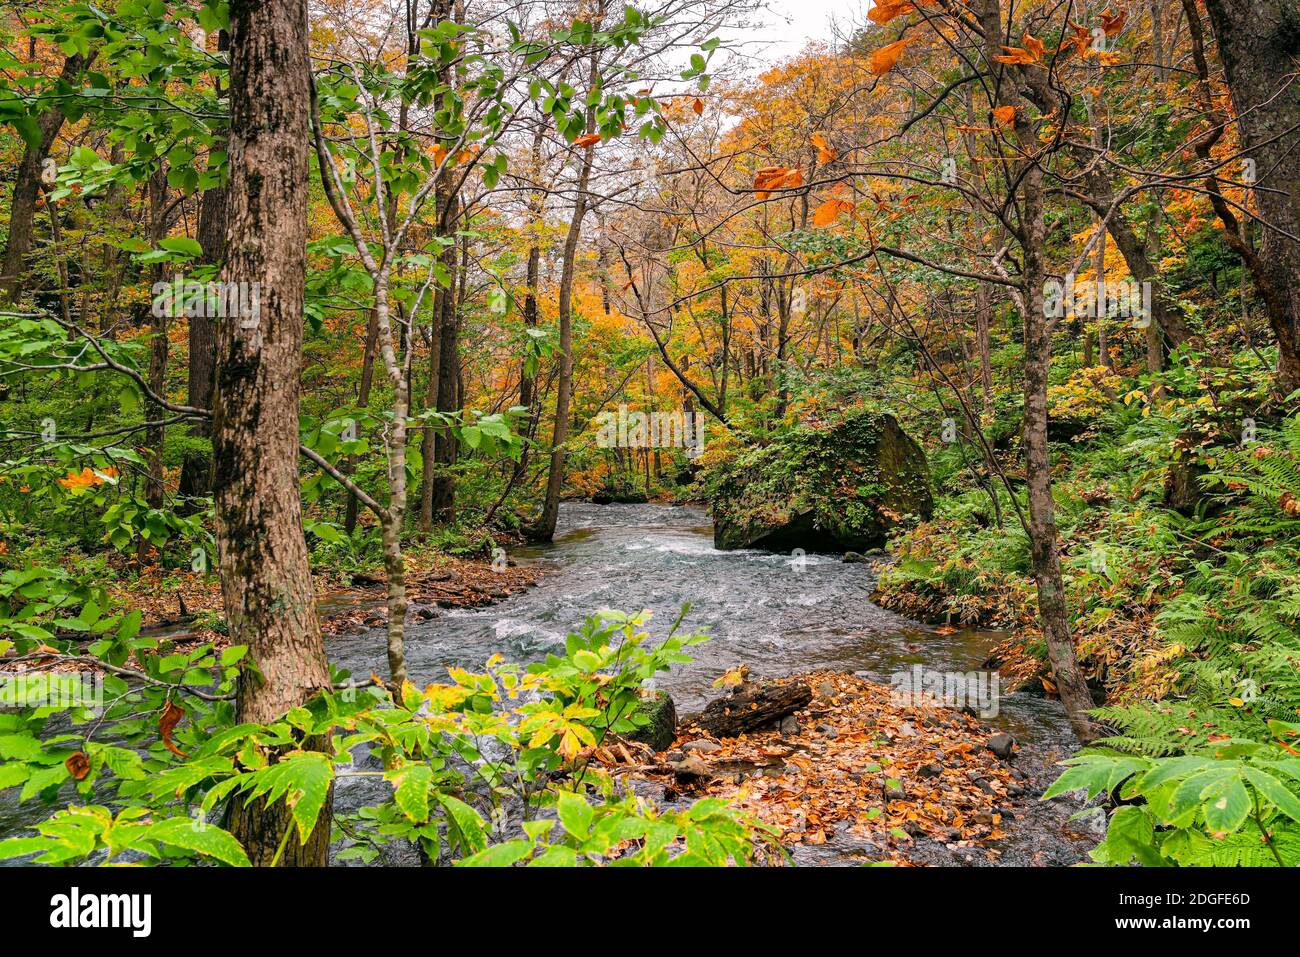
(777, 613)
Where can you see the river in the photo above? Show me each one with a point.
(777, 613)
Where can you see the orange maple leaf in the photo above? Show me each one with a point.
(586, 140)
(1112, 22)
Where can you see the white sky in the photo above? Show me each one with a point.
(792, 23)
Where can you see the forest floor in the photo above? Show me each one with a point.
(186, 607)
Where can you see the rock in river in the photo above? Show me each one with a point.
(823, 487)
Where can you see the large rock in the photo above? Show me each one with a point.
(824, 487)
(661, 727)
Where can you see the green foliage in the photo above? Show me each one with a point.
(477, 770)
(1212, 768)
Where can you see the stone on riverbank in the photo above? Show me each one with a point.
(661, 727)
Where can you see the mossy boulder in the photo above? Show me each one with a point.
(660, 729)
(823, 487)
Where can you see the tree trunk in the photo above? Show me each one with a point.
(156, 435)
(265, 580)
(545, 529)
(752, 707)
(1259, 43)
(196, 470)
(1044, 547)
(27, 185)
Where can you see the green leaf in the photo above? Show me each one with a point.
(303, 779)
(1226, 805)
(206, 839)
(575, 814)
(1275, 791)
(467, 822)
(498, 855)
(412, 790)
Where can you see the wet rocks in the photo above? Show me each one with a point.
(1001, 744)
(702, 746)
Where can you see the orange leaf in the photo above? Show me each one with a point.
(1112, 22)
(829, 211)
(1080, 42)
(698, 106)
(776, 177)
(885, 10)
(78, 765)
(588, 139)
(171, 717)
(884, 59)
(825, 152)
(86, 478)
(1031, 52)
(1006, 115)
(1015, 55)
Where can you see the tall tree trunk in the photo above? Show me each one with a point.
(1044, 547)
(196, 470)
(265, 580)
(27, 185)
(1259, 44)
(442, 501)
(545, 529)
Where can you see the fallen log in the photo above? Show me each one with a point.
(752, 707)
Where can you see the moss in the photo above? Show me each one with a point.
(822, 487)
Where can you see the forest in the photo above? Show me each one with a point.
(518, 433)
